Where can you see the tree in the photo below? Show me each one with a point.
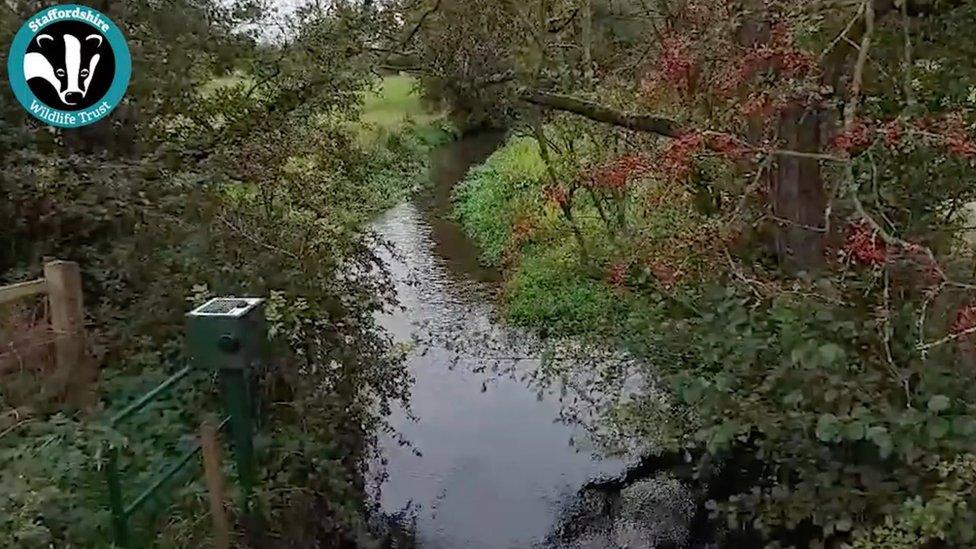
(775, 191)
(232, 168)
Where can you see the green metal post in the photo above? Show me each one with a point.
(234, 388)
(120, 519)
(229, 335)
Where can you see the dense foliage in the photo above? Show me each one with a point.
(783, 245)
(236, 166)
(765, 204)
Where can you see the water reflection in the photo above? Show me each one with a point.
(495, 464)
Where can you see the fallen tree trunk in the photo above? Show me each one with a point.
(601, 113)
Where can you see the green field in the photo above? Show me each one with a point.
(394, 104)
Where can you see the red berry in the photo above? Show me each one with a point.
(892, 134)
(965, 321)
(676, 160)
(617, 276)
(556, 195)
(853, 138)
(960, 144)
(864, 244)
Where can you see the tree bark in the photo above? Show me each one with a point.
(601, 113)
(587, 39)
(796, 192)
(795, 184)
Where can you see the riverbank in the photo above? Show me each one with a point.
(764, 382)
(280, 212)
(511, 209)
(397, 132)
(564, 278)
(584, 249)
(480, 459)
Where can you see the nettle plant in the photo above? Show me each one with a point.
(831, 345)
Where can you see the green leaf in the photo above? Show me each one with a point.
(911, 416)
(721, 436)
(938, 403)
(964, 529)
(796, 356)
(827, 429)
(964, 425)
(691, 393)
(937, 427)
(724, 382)
(882, 439)
(793, 398)
(831, 353)
(854, 431)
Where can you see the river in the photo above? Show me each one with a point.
(488, 464)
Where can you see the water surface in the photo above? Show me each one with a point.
(489, 464)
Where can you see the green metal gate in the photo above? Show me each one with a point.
(225, 335)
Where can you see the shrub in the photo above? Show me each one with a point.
(490, 199)
(552, 291)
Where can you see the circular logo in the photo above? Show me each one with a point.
(69, 66)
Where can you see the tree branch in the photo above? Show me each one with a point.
(951, 337)
(558, 26)
(601, 113)
(420, 23)
(907, 37)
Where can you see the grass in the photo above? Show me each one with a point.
(491, 198)
(550, 284)
(501, 207)
(394, 100)
(398, 130)
(220, 83)
(395, 106)
(550, 291)
(395, 131)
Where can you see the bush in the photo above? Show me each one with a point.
(550, 290)
(489, 200)
(229, 193)
(831, 430)
(805, 282)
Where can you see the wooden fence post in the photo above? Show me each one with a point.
(74, 375)
(214, 477)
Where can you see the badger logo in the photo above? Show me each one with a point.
(69, 65)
